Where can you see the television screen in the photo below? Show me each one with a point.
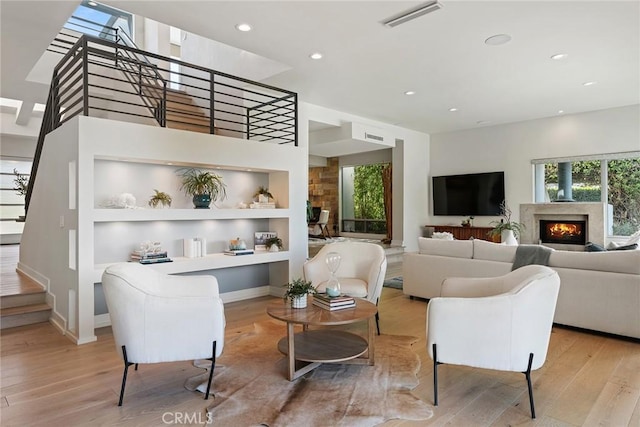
(474, 194)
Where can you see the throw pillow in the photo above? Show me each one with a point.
(592, 247)
(634, 238)
(625, 247)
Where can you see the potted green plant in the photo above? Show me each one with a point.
(297, 291)
(508, 230)
(21, 183)
(273, 244)
(160, 199)
(204, 186)
(263, 194)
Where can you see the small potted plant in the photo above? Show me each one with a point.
(160, 199)
(204, 186)
(273, 244)
(297, 291)
(263, 195)
(505, 228)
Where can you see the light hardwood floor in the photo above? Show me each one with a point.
(587, 379)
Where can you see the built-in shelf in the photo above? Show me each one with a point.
(209, 262)
(168, 214)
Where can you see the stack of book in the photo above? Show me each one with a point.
(262, 205)
(239, 252)
(150, 257)
(333, 303)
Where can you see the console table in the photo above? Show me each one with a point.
(465, 233)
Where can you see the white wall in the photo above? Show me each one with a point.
(410, 160)
(511, 147)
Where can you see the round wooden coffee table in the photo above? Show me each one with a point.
(319, 346)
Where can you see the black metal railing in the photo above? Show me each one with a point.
(98, 77)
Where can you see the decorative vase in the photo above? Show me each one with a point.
(201, 201)
(262, 198)
(299, 302)
(274, 248)
(508, 238)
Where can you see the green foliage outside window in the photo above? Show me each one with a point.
(623, 189)
(368, 197)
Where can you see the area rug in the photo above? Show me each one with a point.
(251, 389)
(394, 282)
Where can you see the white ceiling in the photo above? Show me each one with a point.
(367, 67)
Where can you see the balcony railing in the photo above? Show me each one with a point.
(102, 78)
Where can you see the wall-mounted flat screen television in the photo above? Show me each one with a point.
(475, 194)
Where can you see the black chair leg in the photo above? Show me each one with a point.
(213, 365)
(435, 375)
(124, 374)
(528, 375)
(378, 322)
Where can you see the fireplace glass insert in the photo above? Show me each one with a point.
(564, 232)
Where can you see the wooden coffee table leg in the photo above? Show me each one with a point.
(372, 338)
(291, 351)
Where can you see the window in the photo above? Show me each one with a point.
(581, 180)
(363, 199)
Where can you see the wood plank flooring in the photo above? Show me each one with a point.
(587, 380)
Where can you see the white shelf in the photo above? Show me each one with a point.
(209, 262)
(167, 214)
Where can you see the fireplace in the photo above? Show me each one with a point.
(563, 231)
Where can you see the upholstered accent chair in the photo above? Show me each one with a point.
(502, 323)
(157, 317)
(320, 229)
(361, 273)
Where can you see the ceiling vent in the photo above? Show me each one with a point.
(414, 13)
(349, 138)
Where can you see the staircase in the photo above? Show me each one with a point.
(22, 301)
(184, 114)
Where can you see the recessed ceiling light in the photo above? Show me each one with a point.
(452, 109)
(560, 111)
(92, 3)
(410, 92)
(498, 39)
(243, 27)
(588, 83)
(315, 55)
(559, 56)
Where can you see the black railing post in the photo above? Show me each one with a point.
(85, 77)
(248, 123)
(140, 78)
(163, 105)
(295, 121)
(212, 103)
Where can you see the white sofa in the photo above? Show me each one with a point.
(598, 290)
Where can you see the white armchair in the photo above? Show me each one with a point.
(161, 318)
(501, 323)
(361, 272)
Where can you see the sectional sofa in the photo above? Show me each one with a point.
(599, 291)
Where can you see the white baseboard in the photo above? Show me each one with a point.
(101, 320)
(243, 294)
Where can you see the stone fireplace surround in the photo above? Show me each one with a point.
(594, 213)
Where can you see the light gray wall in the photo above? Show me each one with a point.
(511, 147)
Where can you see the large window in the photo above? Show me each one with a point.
(363, 199)
(614, 179)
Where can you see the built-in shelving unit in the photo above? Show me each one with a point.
(89, 163)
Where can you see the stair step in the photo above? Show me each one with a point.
(24, 315)
(25, 298)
